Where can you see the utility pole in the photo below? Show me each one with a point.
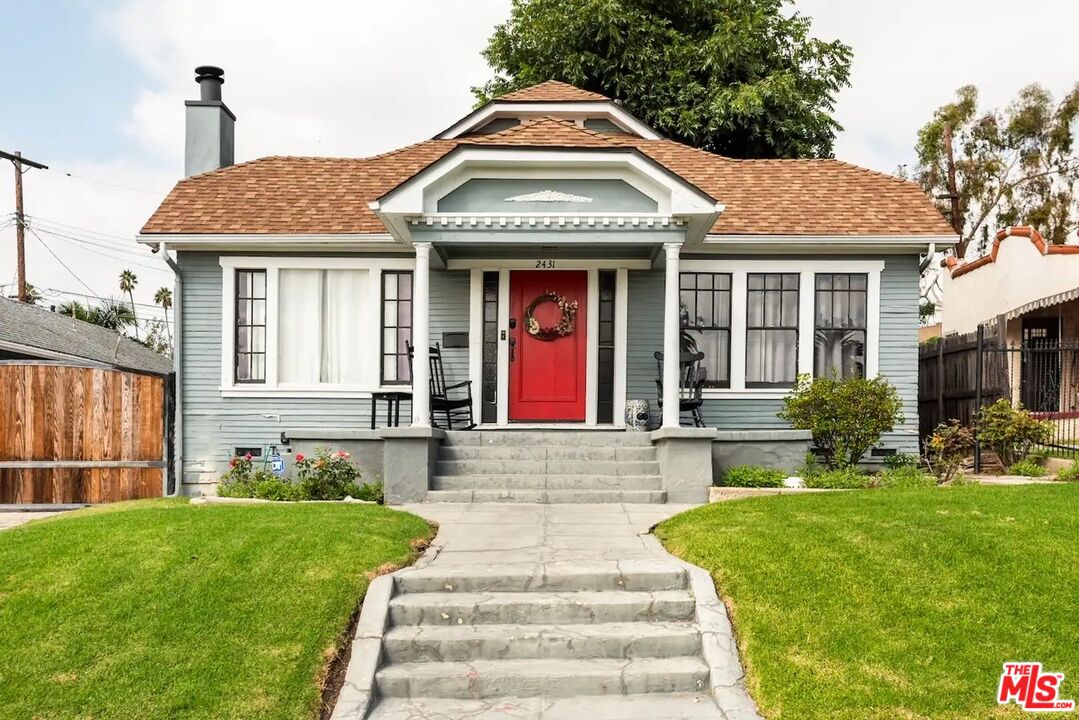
(18, 161)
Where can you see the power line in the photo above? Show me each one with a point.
(58, 291)
(57, 223)
(105, 250)
(32, 232)
(73, 176)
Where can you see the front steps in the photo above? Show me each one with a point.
(603, 639)
(552, 466)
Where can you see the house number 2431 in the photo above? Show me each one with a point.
(545, 264)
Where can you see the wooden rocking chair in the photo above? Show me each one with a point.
(452, 402)
(691, 378)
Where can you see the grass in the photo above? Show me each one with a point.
(890, 604)
(161, 609)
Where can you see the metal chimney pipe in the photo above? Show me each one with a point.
(210, 80)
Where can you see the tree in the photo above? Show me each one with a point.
(33, 295)
(128, 281)
(113, 314)
(1011, 167)
(737, 77)
(163, 297)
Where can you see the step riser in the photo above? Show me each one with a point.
(494, 684)
(527, 645)
(546, 482)
(545, 467)
(551, 438)
(550, 497)
(506, 612)
(546, 582)
(575, 454)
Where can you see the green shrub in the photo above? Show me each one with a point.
(1026, 468)
(1070, 473)
(905, 476)
(947, 448)
(846, 417)
(372, 492)
(1011, 432)
(753, 476)
(900, 460)
(841, 479)
(327, 477)
(810, 466)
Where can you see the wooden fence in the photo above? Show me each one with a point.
(949, 383)
(81, 434)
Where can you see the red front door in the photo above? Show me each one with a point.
(547, 376)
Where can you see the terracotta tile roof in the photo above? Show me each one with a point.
(957, 268)
(551, 91)
(303, 195)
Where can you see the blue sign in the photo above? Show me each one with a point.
(277, 465)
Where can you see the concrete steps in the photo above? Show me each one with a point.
(576, 640)
(547, 466)
(665, 706)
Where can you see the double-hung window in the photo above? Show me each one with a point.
(249, 358)
(705, 311)
(321, 326)
(839, 334)
(771, 329)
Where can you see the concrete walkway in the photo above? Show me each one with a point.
(545, 612)
(14, 519)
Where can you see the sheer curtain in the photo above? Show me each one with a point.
(345, 330)
(299, 328)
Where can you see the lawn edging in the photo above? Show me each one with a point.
(720, 493)
(719, 647)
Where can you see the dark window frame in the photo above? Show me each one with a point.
(697, 291)
(383, 327)
(237, 351)
(765, 328)
(607, 281)
(848, 292)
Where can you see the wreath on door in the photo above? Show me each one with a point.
(568, 308)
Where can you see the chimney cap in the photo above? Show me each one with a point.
(209, 72)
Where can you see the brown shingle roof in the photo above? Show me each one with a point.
(551, 91)
(304, 195)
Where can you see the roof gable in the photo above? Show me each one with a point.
(552, 91)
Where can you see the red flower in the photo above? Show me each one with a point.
(232, 462)
(299, 457)
(247, 457)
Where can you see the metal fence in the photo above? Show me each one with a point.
(959, 374)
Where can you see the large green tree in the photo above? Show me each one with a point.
(743, 78)
(1016, 166)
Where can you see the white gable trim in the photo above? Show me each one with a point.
(567, 110)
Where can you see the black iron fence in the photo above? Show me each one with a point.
(959, 374)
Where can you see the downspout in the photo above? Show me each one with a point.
(177, 354)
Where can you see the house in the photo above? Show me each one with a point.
(1025, 291)
(551, 244)
(29, 332)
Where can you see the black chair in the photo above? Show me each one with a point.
(453, 402)
(691, 377)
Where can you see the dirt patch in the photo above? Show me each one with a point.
(336, 666)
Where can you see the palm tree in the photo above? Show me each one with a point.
(113, 314)
(163, 297)
(128, 281)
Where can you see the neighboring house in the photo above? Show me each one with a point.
(29, 332)
(302, 278)
(1026, 292)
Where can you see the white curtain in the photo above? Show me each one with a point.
(299, 327)
(347, 339)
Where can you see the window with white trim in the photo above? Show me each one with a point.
(839, 332)
(771, 329)
(705, 312)
(396, 326)
(309, 326)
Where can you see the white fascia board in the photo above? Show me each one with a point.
(568, 110)
(455, 168)
(249, 241)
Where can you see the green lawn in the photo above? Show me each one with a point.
(161, 609)
(891, 604)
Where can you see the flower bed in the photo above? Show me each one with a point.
(322, 477)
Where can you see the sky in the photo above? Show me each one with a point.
(95, 90)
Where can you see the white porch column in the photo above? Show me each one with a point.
(421, 341)
(671, 331)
